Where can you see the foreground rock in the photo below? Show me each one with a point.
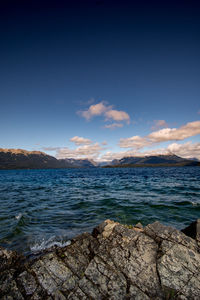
(114, 262)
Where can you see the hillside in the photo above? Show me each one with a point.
(78, 163)
(153, 161)
(23, 159)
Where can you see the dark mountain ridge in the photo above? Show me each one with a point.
(79, 163)
(153, 161)
(23, 159)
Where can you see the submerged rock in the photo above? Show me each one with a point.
(114, 262)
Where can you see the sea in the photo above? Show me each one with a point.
(42, 208)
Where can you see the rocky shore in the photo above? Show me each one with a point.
(114, 262)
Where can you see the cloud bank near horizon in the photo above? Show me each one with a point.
(186, 150)
(162, 135)
(82, 152)
(94, 151)
(86, 148)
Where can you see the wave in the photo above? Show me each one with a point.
(47, 244)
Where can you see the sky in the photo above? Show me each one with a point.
(100, 79)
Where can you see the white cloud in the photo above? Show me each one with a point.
(162, 135)
(94, 110)
(113, 125)
(80, 141)
(170, 134)
(94, 151)
(187, 150)
(88, 149)
(102, 109)
(109, 155)
(85, 151)
(117, 115)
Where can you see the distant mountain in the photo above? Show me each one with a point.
(78, 163)
(23, 159)
(102, 164)
(194, 159)
(153, 161)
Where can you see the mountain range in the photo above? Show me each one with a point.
(23, 159)
(153, 161)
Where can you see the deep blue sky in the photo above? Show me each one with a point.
(57, 58)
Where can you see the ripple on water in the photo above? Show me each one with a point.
(39, 208)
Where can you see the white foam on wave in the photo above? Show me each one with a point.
(46, 244)
(18, 217)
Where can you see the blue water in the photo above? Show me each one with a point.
(39, 208)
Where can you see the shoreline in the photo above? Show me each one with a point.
(114, 261)
(108, 167)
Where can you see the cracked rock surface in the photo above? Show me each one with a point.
(114, 262)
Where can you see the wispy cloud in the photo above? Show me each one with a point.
(135, 142)
(162, 135)
(159, 124)
(107, 111)
(114, 125)
(50, 148)
(80, 141)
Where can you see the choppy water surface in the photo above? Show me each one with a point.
(39, 208)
